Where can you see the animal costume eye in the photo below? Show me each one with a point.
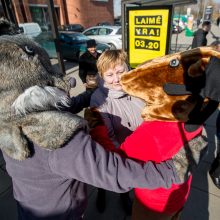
(174, 63)
(29, 50)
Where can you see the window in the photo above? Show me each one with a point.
(109, 31)
(119, 31)
(102, 31)
(92, 32)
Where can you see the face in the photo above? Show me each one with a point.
(112, 77)
(207, 28)
(217, 47)
(92, 49)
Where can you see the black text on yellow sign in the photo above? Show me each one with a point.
(141, 31)
(147, 44)
(148, 20)
(148, 33)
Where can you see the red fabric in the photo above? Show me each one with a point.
(159, 141)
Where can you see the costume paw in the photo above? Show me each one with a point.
(189, 157)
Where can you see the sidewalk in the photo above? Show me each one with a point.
(204, 200)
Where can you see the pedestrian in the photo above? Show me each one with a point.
(218, 21)
(199, 38)
(49, 154)
(120, 112)
(198, 22)
(215, 166)
(87, 65)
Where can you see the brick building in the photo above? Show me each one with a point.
(85, 12)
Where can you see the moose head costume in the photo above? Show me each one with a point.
(181, 91)
(174, 85)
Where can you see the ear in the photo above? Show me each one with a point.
(8, 28)
(198, 68)
(14, 143)
(200, 114)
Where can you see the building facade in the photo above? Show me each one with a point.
(85, 12)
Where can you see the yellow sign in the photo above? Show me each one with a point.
(148, 33)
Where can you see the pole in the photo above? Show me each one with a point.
(205, 4)
(55, 33)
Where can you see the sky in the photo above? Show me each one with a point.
(117, 7)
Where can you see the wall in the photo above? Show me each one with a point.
(85, 12)
(89, 12)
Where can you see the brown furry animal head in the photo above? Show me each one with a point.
(185, 68)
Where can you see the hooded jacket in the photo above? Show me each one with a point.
(121, 112)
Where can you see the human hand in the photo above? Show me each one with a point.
(93, 117)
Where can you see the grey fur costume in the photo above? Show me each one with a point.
(24, 64)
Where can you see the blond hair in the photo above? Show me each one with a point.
(110, 59)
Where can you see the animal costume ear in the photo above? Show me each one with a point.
(198, 68)
(14, 142)
(8, 28)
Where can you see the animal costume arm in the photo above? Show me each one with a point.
(85, 160)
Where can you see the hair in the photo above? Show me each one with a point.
(38, 98)
(206, 23)
(110, 59)
(215, 43)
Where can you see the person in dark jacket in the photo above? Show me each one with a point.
(218, 21)
(215, 166)
(200, 35)
(87, 63)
